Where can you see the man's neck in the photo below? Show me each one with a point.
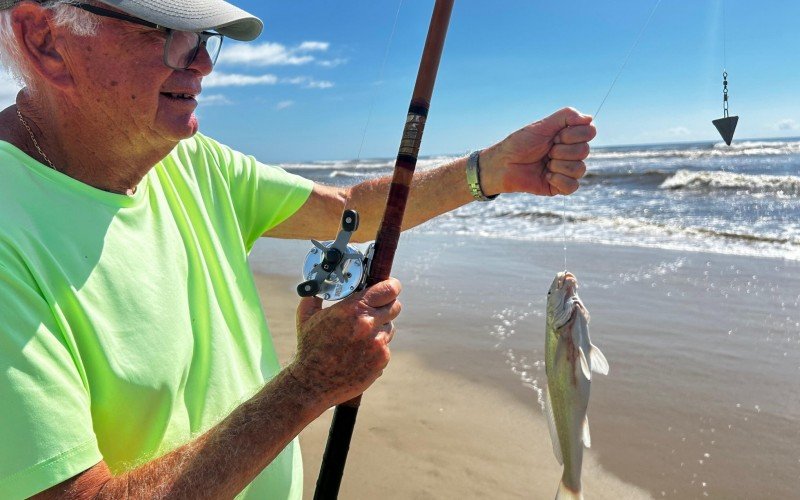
(92, 153)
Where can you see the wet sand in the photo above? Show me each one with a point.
(430, 433)
(701, 400)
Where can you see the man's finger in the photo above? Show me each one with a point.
(561, 184)
(387, 313)
(569, 151)
(383, 293)
(308, 307)
(386, 332)
(576, 134)
(567, 117)
(570, 168)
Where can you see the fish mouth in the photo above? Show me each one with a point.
(569, 281)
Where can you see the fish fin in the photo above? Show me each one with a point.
(587, 438)
(586, 314)
(599, 362)
(551, 424)
(584, 364)
(564, 493)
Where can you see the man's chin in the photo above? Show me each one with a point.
(194, 126)
(184, 130)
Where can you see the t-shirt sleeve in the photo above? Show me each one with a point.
(263, 195)
(46, 433)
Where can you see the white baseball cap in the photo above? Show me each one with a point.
(187, 15)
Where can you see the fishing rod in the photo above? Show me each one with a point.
(337, 269)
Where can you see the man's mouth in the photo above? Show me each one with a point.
(178, 96)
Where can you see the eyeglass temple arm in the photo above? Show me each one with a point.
(117, 15)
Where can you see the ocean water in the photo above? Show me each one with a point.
(709, 197)
(688, 256)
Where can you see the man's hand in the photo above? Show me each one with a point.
(544, 158)
(343, 349)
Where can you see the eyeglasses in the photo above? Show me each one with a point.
(181, 47)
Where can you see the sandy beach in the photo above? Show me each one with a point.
(701, 399)
(425, 432)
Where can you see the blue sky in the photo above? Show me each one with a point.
(304, 89)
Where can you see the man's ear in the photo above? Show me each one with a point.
(33, 27)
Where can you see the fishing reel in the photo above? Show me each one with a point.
(335, 269)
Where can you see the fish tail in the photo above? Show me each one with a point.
(564, 493)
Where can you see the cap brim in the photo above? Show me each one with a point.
(193, 15)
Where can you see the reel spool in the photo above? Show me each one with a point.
(335, 269)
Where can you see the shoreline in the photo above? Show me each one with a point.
(698, 346)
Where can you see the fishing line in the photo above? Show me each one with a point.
(724, 41)
(564, 228)
(380, 80)
(628, 57)
(596, 113)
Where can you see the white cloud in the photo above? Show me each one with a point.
(8, 89)
(332, 63)
(787, 124)
(271, 54)
(216, 79)
(308, 83)
(297, 80)
(678, 131)
(213, 99)
(284, 104)
(309, 46)
(314, 84)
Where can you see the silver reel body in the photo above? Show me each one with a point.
(335, 269)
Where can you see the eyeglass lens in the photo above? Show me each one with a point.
(182, 47)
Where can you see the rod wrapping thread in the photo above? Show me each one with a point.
(335, 456)
(389, 233)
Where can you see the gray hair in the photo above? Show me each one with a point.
(81, 23)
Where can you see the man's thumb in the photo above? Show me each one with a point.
(308, 307)
(567, 117)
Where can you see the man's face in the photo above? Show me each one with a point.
(121, 81)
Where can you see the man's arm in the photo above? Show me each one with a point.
(218, 464)
(341, 351)
(544, 158)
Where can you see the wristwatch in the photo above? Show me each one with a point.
(474, 177)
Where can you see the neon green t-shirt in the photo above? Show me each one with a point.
(131, 324)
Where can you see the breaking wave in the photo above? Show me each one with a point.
(708, 180)
(365, 164)
(636, 226)
(745, 148)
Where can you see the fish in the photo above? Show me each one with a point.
(570, 359)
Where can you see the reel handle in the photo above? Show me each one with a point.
(350, 221)
(308, 288)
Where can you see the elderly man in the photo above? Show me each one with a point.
(134, 357)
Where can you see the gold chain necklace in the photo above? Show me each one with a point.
(35, 142)
(39, 149)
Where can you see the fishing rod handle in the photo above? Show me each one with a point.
(335, 456)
